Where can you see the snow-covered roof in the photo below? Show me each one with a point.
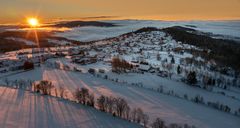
(144, 67)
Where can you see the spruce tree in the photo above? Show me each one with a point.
(191, 78)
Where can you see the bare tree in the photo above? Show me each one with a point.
(145, 119)
(119, 65)
(81, 95)
(134, 114)
(158, 123)
(78, 95)
(121, 106)
(61, 91)
(110, 102)
(174, 126)
(139, 115)
(44, 87)
(101, 103)
(56, 92)
(85, 94)
(188, 126)
(91, 101)
(127, 113)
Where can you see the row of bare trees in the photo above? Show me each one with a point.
(119, 107)
(159, 123)
(18, 83)
(115, 105)
(120, 65)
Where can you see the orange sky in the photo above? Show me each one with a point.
(14, 11)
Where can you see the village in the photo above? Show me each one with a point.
(153, 52)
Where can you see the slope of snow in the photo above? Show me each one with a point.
(58, 42)
(20, 109)
(171, 109)
(152, 81)
(27, 42)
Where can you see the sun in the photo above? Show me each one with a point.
(33, 22)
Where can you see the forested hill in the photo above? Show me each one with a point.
(225, 52)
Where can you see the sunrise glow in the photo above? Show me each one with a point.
(120, 63)
(33, 22)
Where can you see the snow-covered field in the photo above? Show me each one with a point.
(171, 109)
(228, 28)
(20, 109)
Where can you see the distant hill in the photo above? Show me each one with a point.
(16, 40)
(71, 24)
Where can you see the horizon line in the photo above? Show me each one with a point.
(111, 18)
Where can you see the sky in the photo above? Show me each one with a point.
(14, 11)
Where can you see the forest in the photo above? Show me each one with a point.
(225, 52)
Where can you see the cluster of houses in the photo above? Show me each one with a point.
(137, 49)
(10, 65)
(34, 55)
(82, 56)
(146, 51)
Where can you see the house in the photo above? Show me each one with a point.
(144, 67)
(75, 58)
(140, 58)
(87, 60)
(74, 51)
(77, 69)
(101, 70)
(22, 56)
(3, 70)
(38, 50)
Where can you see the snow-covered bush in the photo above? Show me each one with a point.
(198, 99)
(43, 87)
(217, 105)
(158, 123)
